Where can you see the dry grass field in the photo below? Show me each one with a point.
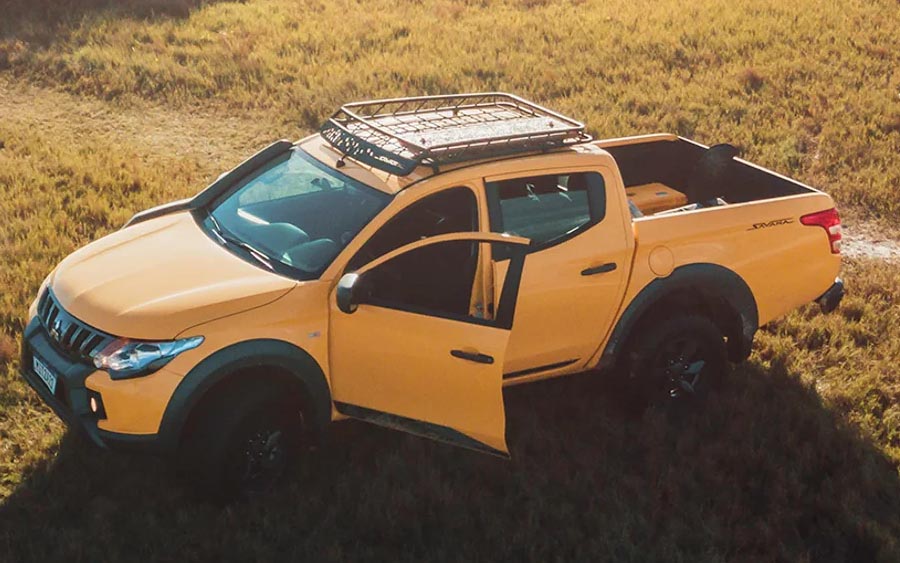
(108, 107)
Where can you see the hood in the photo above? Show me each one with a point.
(157, 278)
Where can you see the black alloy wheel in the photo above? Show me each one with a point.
(676, 360)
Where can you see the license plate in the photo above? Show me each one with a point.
(45, 373)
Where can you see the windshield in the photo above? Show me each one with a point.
(295, 215)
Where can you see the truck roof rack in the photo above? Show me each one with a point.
(397, 135)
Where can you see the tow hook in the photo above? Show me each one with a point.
(830, 300)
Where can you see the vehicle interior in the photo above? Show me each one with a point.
(437, 278)
(274, 225)
(288, 212)
(663, 176)
(546, 208)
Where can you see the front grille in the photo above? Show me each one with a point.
(76, 339)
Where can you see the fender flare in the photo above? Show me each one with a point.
(714, 282)
(224, 363)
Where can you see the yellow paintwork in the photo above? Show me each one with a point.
(785, 266)
(128, 409)
(399, 362)
(299, 317)
(555, 299)
(408, 370)
(155, 279)
(165, 278)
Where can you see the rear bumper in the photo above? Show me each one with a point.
(830, 300)
(70, 402)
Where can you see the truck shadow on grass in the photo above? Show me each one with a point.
(766, 472)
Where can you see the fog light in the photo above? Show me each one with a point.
(95, 404)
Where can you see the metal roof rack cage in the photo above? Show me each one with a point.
(400, 134)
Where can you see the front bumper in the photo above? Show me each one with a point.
(830, 300)
(70, 402)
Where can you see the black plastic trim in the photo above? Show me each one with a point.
(241, 356)
(57, 406)
(476, 357)
(712, 280)
(830, 300)
(506, 309)
(367, 153)
(47, 303)
(417, 427)
(601, 269)
(70, 402)
(241, 171)
(138, 443)
(159, 211)
(538, 369)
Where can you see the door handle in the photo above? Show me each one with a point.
(472, 356)
(601, 269)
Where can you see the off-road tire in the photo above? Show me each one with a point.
(242, 425)
(661, 360)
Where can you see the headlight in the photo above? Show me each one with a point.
(124, 358)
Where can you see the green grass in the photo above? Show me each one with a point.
(809, 88)
(773, 470)
(796, 459)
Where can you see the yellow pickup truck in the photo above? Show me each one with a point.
(405, 264)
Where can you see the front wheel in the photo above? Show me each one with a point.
(676, 360)
(243, 442)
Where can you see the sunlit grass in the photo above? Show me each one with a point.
(808, 88)
(797, 459)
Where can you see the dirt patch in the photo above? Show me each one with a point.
(868, 239)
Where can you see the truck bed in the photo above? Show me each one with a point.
(752, 227)
(665, 172)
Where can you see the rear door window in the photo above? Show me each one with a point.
(548, 208)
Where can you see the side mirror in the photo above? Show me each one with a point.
(347, 301)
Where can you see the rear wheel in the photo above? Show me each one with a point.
(676, 361)
(243, 442)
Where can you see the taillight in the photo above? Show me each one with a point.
(831, 222)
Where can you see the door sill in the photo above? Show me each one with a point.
(539, 369)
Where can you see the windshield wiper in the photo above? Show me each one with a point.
(227, 238)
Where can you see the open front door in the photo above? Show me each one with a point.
(408, 350)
